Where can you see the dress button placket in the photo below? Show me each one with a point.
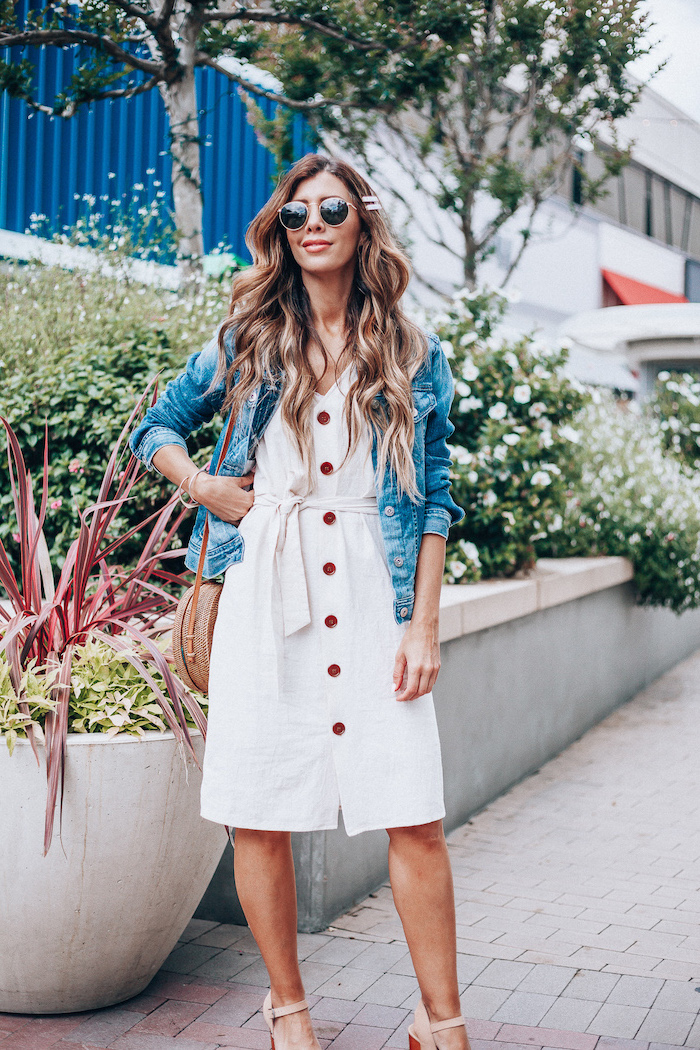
(328, 568)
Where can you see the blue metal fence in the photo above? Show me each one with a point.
(48, 163)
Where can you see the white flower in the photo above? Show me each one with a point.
(489, 498)
(540, 477)
(511, 360)
(447, 347)
(569, 434)
(537, 409)
(500, 452)
(462, 388)
(461, 455)
(498, 411)
(472, 477)
(551, 468)
(469, 370)
(511, 439)
(457, 569)
(470, 551)
(522, 394)
(470, 404)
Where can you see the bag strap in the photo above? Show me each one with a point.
(189, 637)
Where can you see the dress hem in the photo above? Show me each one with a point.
(267, 826)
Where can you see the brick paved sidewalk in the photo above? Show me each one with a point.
(578, 904)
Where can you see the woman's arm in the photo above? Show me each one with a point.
(418, 655)
(225, 497)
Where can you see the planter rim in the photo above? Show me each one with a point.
(78, 739)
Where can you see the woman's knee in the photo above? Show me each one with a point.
(422, 836)
(266, 841)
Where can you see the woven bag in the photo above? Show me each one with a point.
(195, 616)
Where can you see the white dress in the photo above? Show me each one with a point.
(302, 710)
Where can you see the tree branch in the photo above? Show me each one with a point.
(60, 37)
(247, 15)
(202, 59)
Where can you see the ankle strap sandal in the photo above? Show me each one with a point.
(270, 1013)
(420, 1033)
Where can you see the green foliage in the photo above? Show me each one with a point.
(514, 448)
(107, 695)
(675, 406)
(636, 500)
(85, 350)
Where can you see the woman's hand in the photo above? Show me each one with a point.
(225, 497)
(418, 657)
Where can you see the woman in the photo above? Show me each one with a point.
(326, 646)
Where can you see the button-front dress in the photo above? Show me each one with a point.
(303, 717)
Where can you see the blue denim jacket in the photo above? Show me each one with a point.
(183, 407)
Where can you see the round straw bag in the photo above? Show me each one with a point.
(195, 616)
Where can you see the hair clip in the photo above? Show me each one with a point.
(371, 202)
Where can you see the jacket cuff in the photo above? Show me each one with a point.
(437, 520)
(156, 438)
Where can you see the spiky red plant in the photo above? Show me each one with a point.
(95, 597)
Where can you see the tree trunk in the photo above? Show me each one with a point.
(180, 100)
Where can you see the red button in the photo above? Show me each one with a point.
(323, 417)
(334, 670)
(329, 517)
(331, 621)
(338, 728)
(326, 468)
(329, 568)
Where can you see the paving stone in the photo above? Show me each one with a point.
(550, 1037)
(341, 1010)
(233, 1009)
(524, 1008)
(391, 989)
(255, 974)
(308, 943)
(225, 964)
(197, 927)
(693, 1038)
(381, 957)
(550, 980)
(348, 983)
(635, 991)
(571, 1014)
(503, 974)
(339, 951)
(224, 1035)
(613, 1019)
(480, 1001)
(381, 1016)
(100, 1029)
(170, 1018)
(671, 1026)
(587, 984)
(158, 1042)
(188, 957)
(361, 1037)
(222, 936)
(679, 995)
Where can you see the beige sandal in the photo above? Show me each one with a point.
(270, 1013)
(420, 1033)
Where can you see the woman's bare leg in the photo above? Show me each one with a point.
(421, 882)
(264, 873)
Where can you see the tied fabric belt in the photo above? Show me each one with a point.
(290, 564)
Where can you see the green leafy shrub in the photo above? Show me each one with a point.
(636, 500)
(85, 350)
(514, 446)
(675, 406)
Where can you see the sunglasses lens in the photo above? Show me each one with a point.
(334, 210)
(293, 215)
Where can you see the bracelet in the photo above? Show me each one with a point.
(180, 489)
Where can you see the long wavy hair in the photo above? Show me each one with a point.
(270, 314)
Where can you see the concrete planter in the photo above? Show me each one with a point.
(91, 923)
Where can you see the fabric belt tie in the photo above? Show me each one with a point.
(288, 558)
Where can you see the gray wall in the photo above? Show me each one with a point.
(507, 699)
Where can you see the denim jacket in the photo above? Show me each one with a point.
(183, 407)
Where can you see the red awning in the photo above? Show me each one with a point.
(636, 293)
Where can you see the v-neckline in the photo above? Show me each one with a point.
(335, 384)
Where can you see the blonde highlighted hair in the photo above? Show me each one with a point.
(270, 315)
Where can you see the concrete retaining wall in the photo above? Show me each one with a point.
(527, 667)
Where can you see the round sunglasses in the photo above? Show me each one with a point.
(333, 211)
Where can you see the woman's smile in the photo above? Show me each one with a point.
(315, 245)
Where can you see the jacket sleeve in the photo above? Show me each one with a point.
(441, 511)
(183, 407)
